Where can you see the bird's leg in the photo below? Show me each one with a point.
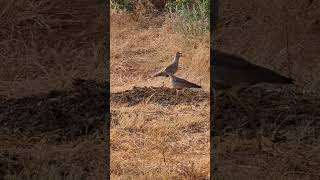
(177, 91)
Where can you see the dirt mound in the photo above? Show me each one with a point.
(159, 95)
(278, 110)
(69, 113)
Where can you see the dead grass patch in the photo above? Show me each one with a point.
(135, 58)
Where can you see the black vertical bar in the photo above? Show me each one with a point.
(214, 7)
(106, 58)
(214, 16)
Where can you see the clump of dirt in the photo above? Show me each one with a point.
(66, 114)
(277, 110)
(159, 95)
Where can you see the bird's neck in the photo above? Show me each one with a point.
(176, 60)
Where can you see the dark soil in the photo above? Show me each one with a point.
(159, 95)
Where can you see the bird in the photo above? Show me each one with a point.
(179, 83)
(232, 70)
(171, 68)
(233, 73)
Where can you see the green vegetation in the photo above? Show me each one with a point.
(193, 16)
(122, 4)
(190, 17)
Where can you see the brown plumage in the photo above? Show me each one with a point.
(171, 68)
(179, 83)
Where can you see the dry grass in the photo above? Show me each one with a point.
(152, 137)
(43, 46)
(281, 35)
(57, 135)
(162, 142)
(135, 58)
(40, 159)
(144, 134)
(288, 119)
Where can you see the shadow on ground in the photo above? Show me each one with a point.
(288, 116)
(66, 114)
(80, 110)
(159, 95)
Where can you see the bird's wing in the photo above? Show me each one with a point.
(171, 68)
(186, 83)
(162, 72)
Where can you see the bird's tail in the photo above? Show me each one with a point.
(291, 81)
(286, 80)
(195, 85)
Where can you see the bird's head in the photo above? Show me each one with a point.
(178, 54)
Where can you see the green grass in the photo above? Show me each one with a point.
(127, 5)
(193, 16)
